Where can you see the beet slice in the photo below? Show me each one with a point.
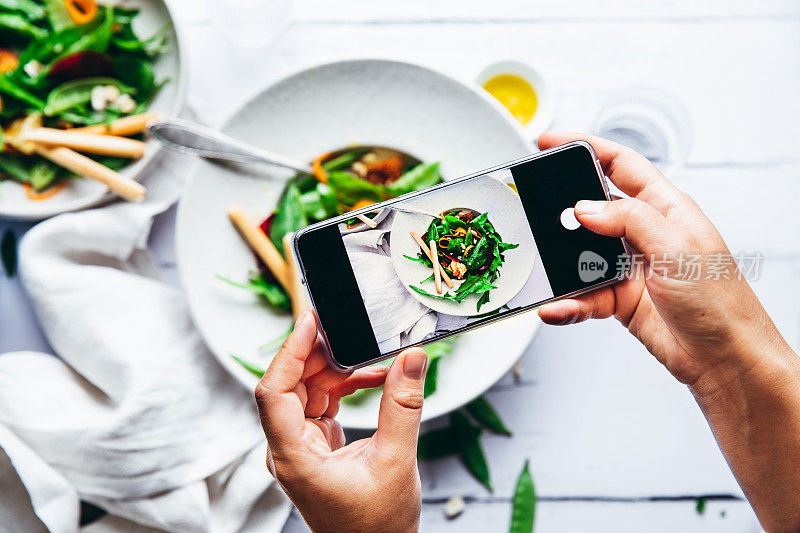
(81, 65)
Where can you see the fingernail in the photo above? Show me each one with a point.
(589, 207)
(414, 364)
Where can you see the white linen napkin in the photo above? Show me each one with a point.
(135, 416)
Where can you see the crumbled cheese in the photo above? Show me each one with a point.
(33, 68)
(360, 168)
(99, 98)
(454, 507)
(124, 103)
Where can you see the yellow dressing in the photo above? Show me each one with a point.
(515, 93)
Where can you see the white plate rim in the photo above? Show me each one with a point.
(241, 375)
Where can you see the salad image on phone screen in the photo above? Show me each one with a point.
(438, 262)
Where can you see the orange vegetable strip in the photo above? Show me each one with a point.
(317, 170)
(81, 11)
(260, 244)
(31, 193)
(427, 251)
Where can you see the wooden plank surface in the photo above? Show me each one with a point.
(615, 443)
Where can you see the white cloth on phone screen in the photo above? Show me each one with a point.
(134, 415)
(398, 319)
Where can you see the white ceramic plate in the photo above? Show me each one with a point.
(83, 193)
(484, 195)
(373, 102)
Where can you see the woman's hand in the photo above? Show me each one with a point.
(707, 328)
(686, 301)
(369, 485)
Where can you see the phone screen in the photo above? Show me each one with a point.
(505, 241)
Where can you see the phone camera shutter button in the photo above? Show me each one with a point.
(568, 219)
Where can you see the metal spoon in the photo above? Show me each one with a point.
(406, 208)
(191, 138)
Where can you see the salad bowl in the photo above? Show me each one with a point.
(368, 102)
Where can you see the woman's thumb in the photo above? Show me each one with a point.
(401, 405)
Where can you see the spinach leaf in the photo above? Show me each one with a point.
(421, 176)
(289, 216)
(349, 189)
(486, 415)
(96, 39)
(8, 252)
(75, 93)
(523, 511)
(15, 167)
(137, 73)
(257, 371)
(319, 203)
(700, 506)
(470, 448)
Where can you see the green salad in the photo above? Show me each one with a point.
(468, 249)
(68, 64)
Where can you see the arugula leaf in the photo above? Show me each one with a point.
(8, 252)
(523, 510)
(257, 371)
(21, 26)
(420, 177)
(700, 507)
(470, 448)
(272, 293)
(486, 415)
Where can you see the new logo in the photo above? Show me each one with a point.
(591, 266)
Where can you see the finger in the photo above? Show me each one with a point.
(316, 360)
(596, 304)
(318, 386)
(280, 405)
(332, 431)
(363, 378)
(645, 228)
(401, 405)
(633, 173)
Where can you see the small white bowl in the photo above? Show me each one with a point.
(544, 92)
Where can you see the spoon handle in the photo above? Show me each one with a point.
(191, 138)
(406, 208)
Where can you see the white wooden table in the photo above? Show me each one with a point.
(615, 443)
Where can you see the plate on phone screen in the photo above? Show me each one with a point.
(360, 102)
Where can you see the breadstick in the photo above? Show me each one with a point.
(437, 275)
(366, 220)
(427, 251)
(260, 244)
(295, 290)
(86, 142)
(89, 168)
(124, 126)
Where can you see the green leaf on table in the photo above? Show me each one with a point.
(441, 442)
(8, 252)
(420, 177)
(701, 506)
(470, 448)
(486, 415)
(360, 396)
(524, 503)
(250, 367)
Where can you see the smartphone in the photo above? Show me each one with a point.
(504, 241)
